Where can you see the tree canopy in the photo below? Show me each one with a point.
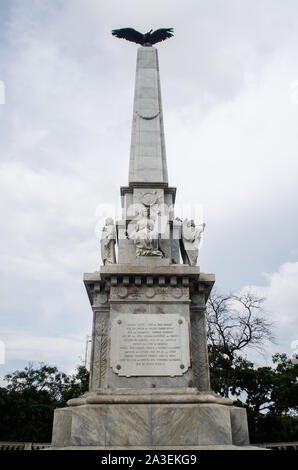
(28, 401)
(270, 394)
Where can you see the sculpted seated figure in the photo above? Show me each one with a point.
(145, 236)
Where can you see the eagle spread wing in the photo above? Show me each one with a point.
(129, 34)
(132, 35)
(161, 34)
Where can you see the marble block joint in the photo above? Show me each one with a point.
(149, 370)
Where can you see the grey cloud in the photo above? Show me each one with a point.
(230, 135)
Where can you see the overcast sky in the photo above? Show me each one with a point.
(229, 83)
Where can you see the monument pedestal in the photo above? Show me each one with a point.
(138, 313)
(150, 425)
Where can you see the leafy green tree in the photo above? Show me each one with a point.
(43, 382)
(272, 389)
(254, 388)
(275, 428)
(284, 394)
(28, 401)
(219, 363)
(257, 384)
(268, 393)
(77, 386)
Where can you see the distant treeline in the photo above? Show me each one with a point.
(270, 395)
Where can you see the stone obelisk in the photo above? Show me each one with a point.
(149, 374)
(148, 154)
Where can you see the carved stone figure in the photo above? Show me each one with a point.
(190, 240)
(145, 236)
(107, 242)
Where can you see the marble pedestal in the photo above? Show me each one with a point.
(155, 411)
(150, 426)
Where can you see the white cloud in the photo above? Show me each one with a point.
(64, 352)
(282, 295)
(231, 135)
(242, 152)
(43, 214)
(281, 307)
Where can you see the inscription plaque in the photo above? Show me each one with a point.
(150, 345)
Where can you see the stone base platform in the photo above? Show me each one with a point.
(145, 395)
(189, 448)
(150, 426)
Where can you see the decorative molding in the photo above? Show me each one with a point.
(100, 349)
(100, 299)
(148, 118)
(122, 292)
(150, 292)
(177, 292)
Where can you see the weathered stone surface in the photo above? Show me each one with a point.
(99, 352)
(88, 425)
(239, 426)
(128, 425)
(145, 395)
(147, 156)
(146, 292)
(107, 242)
(62, 427)
(157, 447)
(214, 424)
(127, 269)
(131, 425)
(149, 307)
(174, 425)
(150, 345)
(199, 342)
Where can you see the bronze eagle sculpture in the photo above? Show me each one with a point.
(147, 39)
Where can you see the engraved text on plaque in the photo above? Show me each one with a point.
(150, 344)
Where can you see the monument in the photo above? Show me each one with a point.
(149, 375)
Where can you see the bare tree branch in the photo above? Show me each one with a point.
(235, 322)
